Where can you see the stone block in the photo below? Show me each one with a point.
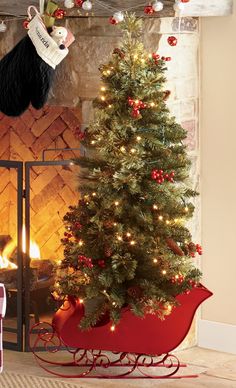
(43, 142)
(56, 128)
(43, 179)
(18, 146)
(47, 194)
(42, 123)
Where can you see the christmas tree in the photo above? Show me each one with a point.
(126, 242)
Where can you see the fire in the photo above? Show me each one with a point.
(34, 248)
(8, 250)
(11, 246)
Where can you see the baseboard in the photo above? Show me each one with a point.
(217, 336)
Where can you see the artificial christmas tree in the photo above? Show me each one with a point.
(126, 242)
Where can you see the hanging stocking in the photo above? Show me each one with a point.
(26, 73)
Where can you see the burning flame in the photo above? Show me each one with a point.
(10, 247)
(8, 250)
(34, 248)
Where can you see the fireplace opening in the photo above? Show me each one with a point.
(34, 197)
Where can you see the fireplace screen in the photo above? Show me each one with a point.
(30, 240)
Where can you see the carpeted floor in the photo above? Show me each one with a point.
(14, 380)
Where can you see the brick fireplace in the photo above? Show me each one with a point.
(37, 184)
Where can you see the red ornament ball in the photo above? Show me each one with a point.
(168, 59)
(26, 24)
(59, 13)
(148, 10)
(172, 40)
(184, 1)
(79, 3)
(112, 20)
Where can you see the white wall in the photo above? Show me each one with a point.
(218, 167)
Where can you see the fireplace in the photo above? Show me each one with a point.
(34, 196)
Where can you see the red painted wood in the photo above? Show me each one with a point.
(149, 335)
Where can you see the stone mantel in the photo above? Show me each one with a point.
(193, 8)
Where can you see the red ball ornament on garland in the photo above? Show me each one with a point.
(26, 24)
(149, 10)
(184, 1)
(113, 21)
(79, 3)
(59, 13)
(172, 40)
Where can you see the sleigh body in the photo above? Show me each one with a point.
(149, 335)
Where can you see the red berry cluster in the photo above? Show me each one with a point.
(85, 261)
(67, 238)
(160, 177)
(136, 105)
(78, 225)
(179, 279)
(101, 263)
(156, 58)
(59, 13)
(199, 249)
(79, 134)
(167, 59)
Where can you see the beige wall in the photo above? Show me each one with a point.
(218, 165)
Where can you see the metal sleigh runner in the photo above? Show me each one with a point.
(137, 348)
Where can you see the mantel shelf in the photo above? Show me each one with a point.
(193, 8)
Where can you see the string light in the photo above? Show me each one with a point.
(113, 303)
(94, 194)
(110, 106)
(138, 138)
(155, 207)
(103, 88)
(81, 301)
(128, 234)
(186, 209)
(164, 272)
(115, 224)
(132, 242)
(133, 150)
(103, 98)
(160, 218)
(152, 104)
(169, 307)
(122, 149)
(81, 243)
(93, 142)
(113, 328)
(167, 222)
(176, 220)
(155, 261)
(119, 238)
(117, 203)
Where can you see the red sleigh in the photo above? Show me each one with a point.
(136, 345)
